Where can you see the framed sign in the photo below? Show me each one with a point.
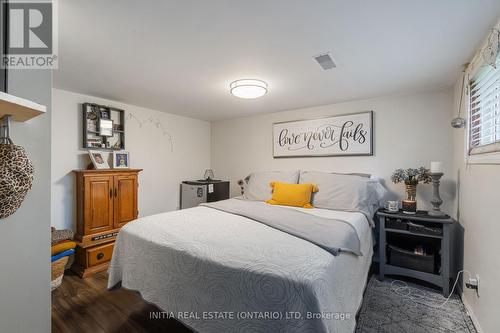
(345, 135)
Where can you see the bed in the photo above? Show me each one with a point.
(221, 271)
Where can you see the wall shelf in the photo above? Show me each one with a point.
(92, 137)
(18, 108)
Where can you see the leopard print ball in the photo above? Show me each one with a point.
(16, 178)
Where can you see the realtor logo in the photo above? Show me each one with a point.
(30, 35)
(30, 28)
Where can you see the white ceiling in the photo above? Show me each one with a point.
(180, 56)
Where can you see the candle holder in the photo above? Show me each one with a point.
(436, 199)
(409, 206)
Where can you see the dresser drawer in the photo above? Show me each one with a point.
(99, 254)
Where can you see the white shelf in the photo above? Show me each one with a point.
(19, 108)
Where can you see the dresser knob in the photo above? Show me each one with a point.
(100, 255)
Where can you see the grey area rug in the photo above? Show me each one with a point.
(383, 310)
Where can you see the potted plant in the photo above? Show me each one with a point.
(411, 177)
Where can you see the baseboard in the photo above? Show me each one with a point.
(471, 314)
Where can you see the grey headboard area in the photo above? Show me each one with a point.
(243, 182)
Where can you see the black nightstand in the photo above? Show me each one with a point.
(400, 234)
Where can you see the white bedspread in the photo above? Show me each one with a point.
(202, 263)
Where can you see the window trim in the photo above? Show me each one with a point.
(484, 158)
(478, 157)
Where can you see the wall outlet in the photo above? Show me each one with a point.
(473, 283)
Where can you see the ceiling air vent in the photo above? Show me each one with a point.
(325, 61)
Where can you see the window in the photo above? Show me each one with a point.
(484, 111)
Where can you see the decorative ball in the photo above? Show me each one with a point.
(458, 123)
(16, 178)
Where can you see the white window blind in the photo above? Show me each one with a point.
(484, 111)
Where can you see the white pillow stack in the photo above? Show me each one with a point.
(344, 192)
(258, 187)
(336, 191)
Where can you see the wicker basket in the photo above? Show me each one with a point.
(408, 259)
(57, 272)
(393, 223)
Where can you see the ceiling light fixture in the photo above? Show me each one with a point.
(248, 88)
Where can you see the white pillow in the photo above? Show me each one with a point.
(258, 187)
(344, 192)
(379, 189)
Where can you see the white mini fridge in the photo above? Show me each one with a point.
(196, 192)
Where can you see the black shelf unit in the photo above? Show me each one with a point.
(439, 237)
(92, 139)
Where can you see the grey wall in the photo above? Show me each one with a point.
(477, 209)
(409, 131)
(25, 235)
(164, 166)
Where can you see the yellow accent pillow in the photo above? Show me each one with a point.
(61, 247)
(298, 195)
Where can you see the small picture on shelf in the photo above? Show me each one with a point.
(94, 143)
(121, 160)
(91, 127)
(98, 159)
(115, 141)
(104, 113)
(105, 127)
(117, 127)
(91, 118)
(116, 116)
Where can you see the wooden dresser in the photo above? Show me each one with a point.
(106, 201)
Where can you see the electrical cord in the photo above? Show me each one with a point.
(411, 294)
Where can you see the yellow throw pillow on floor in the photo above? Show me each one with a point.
(61, 247)
(298, 195)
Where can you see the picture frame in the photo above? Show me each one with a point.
(105, 127)
(98, 159)
(104, 112)
(121, 159)
(339, 135)
(97, 117)
(91, 118)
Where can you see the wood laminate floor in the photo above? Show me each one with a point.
(85, 305)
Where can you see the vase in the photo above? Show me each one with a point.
(411, 192)
(410, 202)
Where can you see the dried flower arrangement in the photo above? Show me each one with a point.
(411, 176)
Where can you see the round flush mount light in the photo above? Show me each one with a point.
(248, 88)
